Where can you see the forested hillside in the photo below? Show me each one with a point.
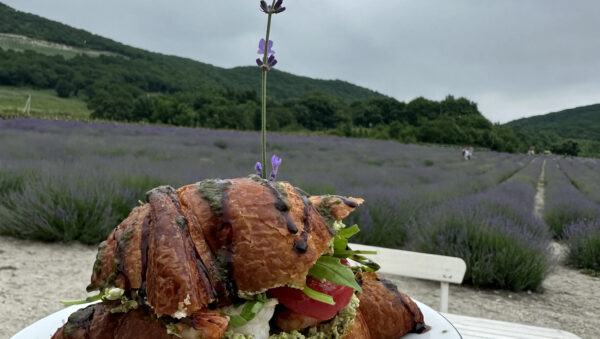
(571, 131)
(130, 84)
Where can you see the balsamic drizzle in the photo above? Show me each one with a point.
(144, 249)
(346, 201)
(183, 224)
(120, 247)
(301, 244)
(419, 327)
(284, 207)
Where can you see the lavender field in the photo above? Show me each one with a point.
(67, 180)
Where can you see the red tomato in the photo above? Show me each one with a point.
(297, 301)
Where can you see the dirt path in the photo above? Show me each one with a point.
(34, 276)
(538, 206)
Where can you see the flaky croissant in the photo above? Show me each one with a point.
(187, 253)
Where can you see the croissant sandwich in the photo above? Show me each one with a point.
(239, 258)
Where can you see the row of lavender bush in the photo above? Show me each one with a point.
(583, 236)
(494, 231)
(564, 203)
(584, 174)
(583, 239)
(68, 180)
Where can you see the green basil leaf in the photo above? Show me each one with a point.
(83, 301)
(349, 253)
(236, 320)
(249, 311)
(318, 296)
(339, 244)
(330, 268)
(368, 264)
(348, 232)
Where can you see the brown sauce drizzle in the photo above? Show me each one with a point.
(301, 243)
(419, 327)
(283, 206)
(183, 226)
(82, 319)
(119, 257)
(144, 249)
(346, 201)
(185, 232)
(225, 253)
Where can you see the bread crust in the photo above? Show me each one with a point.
(96, 322)
(264, 247)
(388, 313)
(184, 250)
(359, 328)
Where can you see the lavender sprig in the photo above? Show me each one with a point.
(275, 162)
(258, 168)
(267, 63)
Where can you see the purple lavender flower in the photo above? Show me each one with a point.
(261, 47)
(275, 162)
(258, 168)
(276, 9)
(264, 7)
(271, 62)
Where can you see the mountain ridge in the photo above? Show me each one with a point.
(590, 114)
(547, 131)
(282, 84)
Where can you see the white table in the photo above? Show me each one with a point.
(44, 328)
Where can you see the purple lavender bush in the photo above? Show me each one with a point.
(584, 174)
(583, 239)
(118, 163)
(494, 231)
(564, 204)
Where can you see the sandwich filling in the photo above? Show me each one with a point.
(337, 327)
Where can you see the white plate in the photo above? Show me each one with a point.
(45, 328)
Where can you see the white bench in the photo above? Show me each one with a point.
(434, 267)
(471, 327)
(452, 270)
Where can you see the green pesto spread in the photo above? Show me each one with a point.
(232, 335)
(212, 191)
(324, 209)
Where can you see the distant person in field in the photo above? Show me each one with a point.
(467, 153)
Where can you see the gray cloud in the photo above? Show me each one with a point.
(514, 58)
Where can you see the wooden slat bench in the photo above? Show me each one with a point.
(434, 267)
(471, 327)
(448, 270)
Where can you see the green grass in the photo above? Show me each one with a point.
(44, 104)
(21, 43)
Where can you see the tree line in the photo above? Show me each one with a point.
(116, 88)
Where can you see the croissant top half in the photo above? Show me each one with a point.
(199, 246)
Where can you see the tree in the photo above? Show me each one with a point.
(566, 147)
(63, 88)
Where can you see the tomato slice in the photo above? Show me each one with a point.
(297, 301)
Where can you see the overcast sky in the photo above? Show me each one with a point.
(515, 58)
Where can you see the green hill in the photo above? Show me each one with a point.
(577, 123)
(580, 124)
(29, 32)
